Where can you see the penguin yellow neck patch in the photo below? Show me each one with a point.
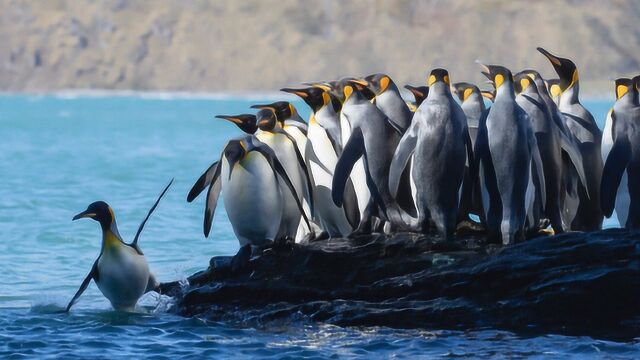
(574, 78)
(498, 80)
(621, 90)
(467, 93)
(524, 83)
(555, 90)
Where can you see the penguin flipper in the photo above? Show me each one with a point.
(404, 151)
(352, 152)
(93, 274)
(205, 180)
(538, 174)
(350, 205)
(278, 169)
(302, 164)
(134, 243)
(614, 168)
(212, 201)
(571, 149)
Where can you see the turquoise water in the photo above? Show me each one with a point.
(58, 154)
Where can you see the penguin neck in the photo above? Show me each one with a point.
(570, 96)
(111, 238)
(505, 91)
(627, 101)
(438, 90)
(475, 100)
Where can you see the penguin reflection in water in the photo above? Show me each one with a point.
(121, 271)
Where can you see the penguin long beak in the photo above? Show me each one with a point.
(84, 214)
(554, 60)
(299, 92)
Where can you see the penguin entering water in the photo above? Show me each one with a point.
(121, 270)
(621, 150)
(507, 152)
(437, 139)
(324, 147)
(589, 137)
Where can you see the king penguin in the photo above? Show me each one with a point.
(589, 137)
(290, 120)
(507, 152)
(552, 142)
(121, 271)
(437, 138)
(373, 141)
(472, 104)
(248, 174)
(323, 149)
(621, 153)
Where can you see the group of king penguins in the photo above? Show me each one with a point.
(366, 161)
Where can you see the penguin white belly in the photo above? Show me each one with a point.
(298, 135)
(252, 200)
(285, 153)
(331, 217)
(123, 275)
(358, 174)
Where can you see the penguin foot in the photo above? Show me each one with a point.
(241, 259)
(469, 227)
(284, 243)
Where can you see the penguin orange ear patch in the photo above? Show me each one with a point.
(384, 83)
(446, 79)
(498, 80)
(467, 93)
(348, 90)
(432, 79)
(621, 90)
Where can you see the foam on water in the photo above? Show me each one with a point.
(60, 153)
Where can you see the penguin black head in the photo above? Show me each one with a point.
(246, 122)
(565, 68)
(282, 109)
(553, 87)
(315, 97)
(636, 82)
(463, 90)
(332, 87)
(266, 119)
(623, 87)
(438, 75)
(378, 83)
(99, 211)
(352, 85)
(497, 74)
(488, 94)
(419, 93)
(521, 82)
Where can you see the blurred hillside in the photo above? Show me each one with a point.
(192, 45)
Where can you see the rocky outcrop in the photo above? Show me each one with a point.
(572, 283)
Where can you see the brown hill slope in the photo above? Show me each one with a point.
(263, 45)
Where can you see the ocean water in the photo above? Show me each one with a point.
(60, 153)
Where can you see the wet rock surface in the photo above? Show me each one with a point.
(575, 283)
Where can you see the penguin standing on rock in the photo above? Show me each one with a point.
(249, 175)
(621, 172)
(373, 140)
(589, 137)
(437, 139)
(121, 271)
(472, 105)
(322, 152)
(507, 152)
(552, 143)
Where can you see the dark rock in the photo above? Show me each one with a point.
(575, 283)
